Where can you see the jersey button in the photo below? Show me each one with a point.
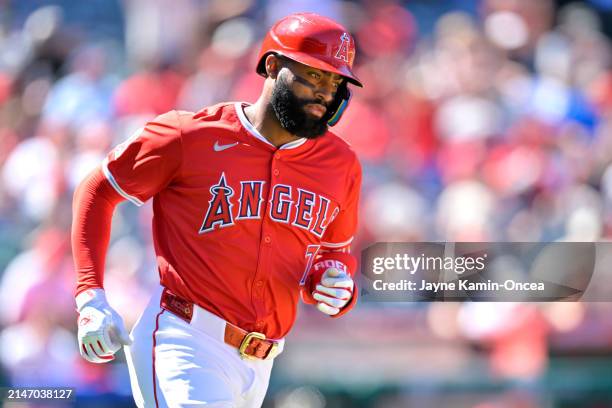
(267, 239)
(259, 323)
(277, 156)
(259, 283)
(276, 172)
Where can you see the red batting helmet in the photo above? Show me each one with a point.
(312, 40)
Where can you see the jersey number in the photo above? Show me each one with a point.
(311, 254)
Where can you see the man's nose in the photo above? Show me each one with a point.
(326, 91)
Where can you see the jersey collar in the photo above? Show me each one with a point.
(251, 129)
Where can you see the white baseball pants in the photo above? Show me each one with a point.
(173, 363)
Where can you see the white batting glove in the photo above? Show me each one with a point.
(101, 331)
(334, 291)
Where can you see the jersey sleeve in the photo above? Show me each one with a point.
(148, 161)
(339, 234)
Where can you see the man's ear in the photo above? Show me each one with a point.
(273, 66)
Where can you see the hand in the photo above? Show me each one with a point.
(334, 291)
(101, 331)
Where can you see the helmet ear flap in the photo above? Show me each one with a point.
(339, 104)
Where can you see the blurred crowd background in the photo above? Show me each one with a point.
(481, 120)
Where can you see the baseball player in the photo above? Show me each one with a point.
(255, 206)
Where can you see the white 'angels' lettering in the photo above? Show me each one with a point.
(295, 206)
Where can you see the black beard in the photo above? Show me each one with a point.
(290, 112)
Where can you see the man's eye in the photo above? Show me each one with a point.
(337, 84)
(315, 75)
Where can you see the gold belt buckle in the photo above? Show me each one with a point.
(247, 341)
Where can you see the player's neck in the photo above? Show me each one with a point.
(267, 124)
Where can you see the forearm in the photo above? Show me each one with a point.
(92, 211)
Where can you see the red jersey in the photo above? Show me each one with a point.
(237, 221)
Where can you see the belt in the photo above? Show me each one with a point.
(250, 345)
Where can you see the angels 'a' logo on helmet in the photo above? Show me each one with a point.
(344, 48)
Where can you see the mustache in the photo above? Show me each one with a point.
(304, 102)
